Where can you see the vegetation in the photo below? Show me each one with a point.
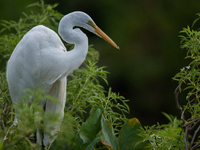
(188, 82)
(95, 118)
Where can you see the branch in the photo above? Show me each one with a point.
(197, 119)
(182, 116)
(176, 93)
(193, 148)
(5, 138)
(186, 137)
(195, 133)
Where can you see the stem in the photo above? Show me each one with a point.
(186, 137)
(195, 123)
(5, 138)
(193, 148)
(81, 90)
(195, 133)
(197, 119)
(176, 93)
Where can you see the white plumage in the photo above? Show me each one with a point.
(40, 59)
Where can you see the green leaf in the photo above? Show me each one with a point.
(108, 137)
(91, 127)
(89, 147)
(129, 138)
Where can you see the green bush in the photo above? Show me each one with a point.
(95, 118)
(188, 83)
(84, 92)
(182, 134)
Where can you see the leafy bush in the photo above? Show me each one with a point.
(95, 118)
(84, 92)
(188, 82)
(166, 136)
(182, 134)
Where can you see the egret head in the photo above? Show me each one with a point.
(81, 19)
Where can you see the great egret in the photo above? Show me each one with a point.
(40, 59)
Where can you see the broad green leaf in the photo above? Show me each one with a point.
(91, 127)
(108, 137)
(128, 136)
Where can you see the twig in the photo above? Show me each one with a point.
(182, 116)
(193, 148)
(195, 133)
(5, 138)
(195, 124)
(176, 93)
(197, 119)
(186, 137)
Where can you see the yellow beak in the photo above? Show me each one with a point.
(102, 34)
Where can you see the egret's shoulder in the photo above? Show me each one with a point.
(43, 37)
(42, 29)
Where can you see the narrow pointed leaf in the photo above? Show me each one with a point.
(89, 147)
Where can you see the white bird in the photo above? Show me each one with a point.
(40, 59)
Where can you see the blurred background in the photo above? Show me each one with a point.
(147, 33)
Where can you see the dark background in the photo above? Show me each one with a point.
(147, 32)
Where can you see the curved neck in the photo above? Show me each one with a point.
(73, 36)
(70, 34)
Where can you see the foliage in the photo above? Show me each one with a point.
(84, 93)
(188, 82)
(182, 134)
(86, 79)
(166, 136)
(95, 118)
(128, 138)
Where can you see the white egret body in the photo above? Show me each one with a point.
(40, 59)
